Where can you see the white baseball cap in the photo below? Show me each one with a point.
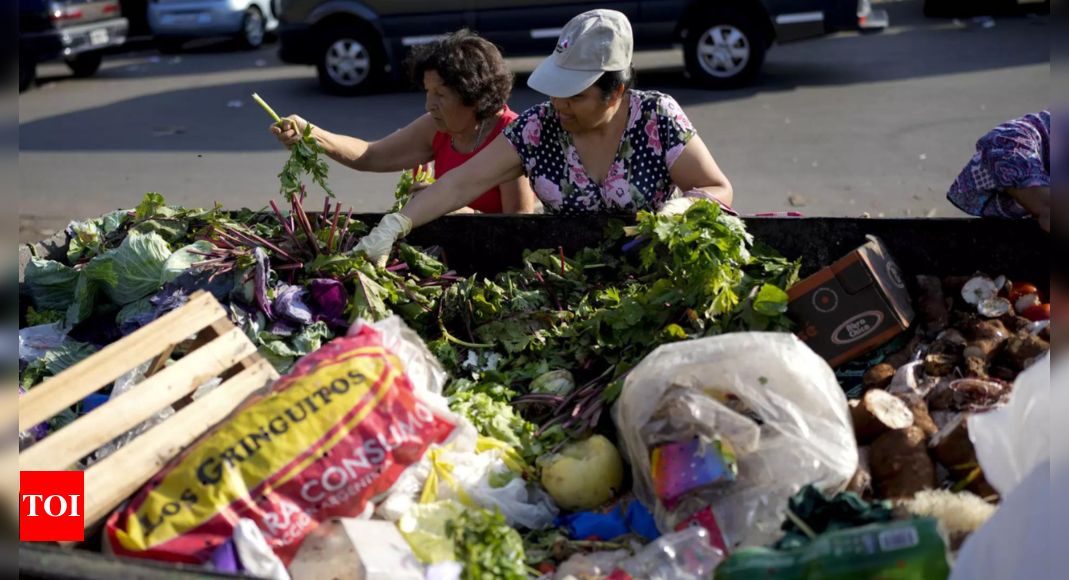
(591, 45)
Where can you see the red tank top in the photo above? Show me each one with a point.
(447, 159)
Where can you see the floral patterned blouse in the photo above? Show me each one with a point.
(657, 133)
(1014, 155)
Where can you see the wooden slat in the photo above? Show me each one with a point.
(67, 446)
(120, 475)
(160, 361)
(47, 400)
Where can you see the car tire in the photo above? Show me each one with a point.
(170, 45)
(253, 29)
(27, 73)
(726, 51)
(86, 64)
(352, 61)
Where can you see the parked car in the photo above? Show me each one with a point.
(356, 44)
(77, 31)
(176, 22)
(970, 8)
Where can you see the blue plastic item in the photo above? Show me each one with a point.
(94, 401)
(624, 519)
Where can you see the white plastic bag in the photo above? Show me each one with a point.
(257, 558)
(36, 342)
(465, 476)
(684, 555)
(1013, 445)
(422, 368)
(123, 385)
(596, 565)
(771, 397)
(1012, 441)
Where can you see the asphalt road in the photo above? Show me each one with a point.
(841, 126)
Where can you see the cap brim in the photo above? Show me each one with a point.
(554, 81)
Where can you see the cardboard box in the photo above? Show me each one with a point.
(853, 307)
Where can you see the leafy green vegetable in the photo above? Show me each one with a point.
(304, 159)
(64, 418)
(50, 285)
(87, 241)
(172, 224)
(497, 419)
(149, 207)
(487, 547)
(493, 419)
(183, 260)
(403, 193)
(85, 296)
(421, 264)
(284, 352)
(132, 271)
(369, 300)
(35, 318)
(67, 355)
(34, 374)
(55, 362)
(134, 309)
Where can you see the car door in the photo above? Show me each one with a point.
(532, 27)
(408, 23)
(658, 21)
(797, 19)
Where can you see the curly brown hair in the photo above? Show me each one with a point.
(468, 64)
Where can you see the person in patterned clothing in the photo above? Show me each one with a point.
(1009, 177)
(597, 147)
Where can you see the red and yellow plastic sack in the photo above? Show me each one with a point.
(336, 433)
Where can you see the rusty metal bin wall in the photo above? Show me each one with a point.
(489, 244)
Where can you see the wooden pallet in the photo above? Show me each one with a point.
(220, 350)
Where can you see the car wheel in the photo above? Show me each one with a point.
(86, 64)
(351, 61)
(726, 51)
(27, 73)
(170, 45)
(253, 29)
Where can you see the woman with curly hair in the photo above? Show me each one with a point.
(468, 87)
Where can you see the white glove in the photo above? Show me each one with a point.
(678, 206)
(380, 241)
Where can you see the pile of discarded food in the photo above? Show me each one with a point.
(621, 413)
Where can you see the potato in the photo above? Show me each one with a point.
(585, 475)
(901, 467)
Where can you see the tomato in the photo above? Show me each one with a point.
(1021, 289)
(1038, 313)
(547, 568)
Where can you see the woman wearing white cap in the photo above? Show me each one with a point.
(598, 146)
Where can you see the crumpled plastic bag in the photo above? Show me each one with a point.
(596, 565)
(257, 558)
(1011, 442)
(1013, 445)
(424, 527)
(684, 555)
(123, 385)
(37, 341)
(770, 397)
(476, 472)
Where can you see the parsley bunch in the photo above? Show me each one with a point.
(304, 160)
(487, 547)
